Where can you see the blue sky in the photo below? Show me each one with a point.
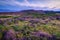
(17, 5)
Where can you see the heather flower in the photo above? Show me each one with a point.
(9, 35)
(1, 22)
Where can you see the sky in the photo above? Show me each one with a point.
(18, 5)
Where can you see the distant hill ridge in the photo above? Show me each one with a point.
(28, 12)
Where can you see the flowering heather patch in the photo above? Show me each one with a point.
(43, 27)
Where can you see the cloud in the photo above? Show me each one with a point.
(49, 4)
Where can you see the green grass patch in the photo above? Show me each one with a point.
(5, 16)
